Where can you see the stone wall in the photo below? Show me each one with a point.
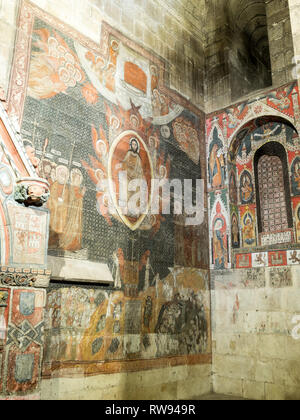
(280, 41)
(255, 355)
(294, 17)
(170, 383)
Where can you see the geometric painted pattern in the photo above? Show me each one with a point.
(25, 334)
(267, 259)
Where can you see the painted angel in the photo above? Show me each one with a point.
(236, 115)
(105, 69)
(119, 266)
(54, 68)
(280, 98)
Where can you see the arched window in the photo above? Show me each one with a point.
(272, 189)
(272, 196)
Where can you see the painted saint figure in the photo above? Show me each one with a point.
(233, 189)
(72, 235)
(58, 205)
(30, 152)
(146, 270)
(216, 165)
(297, 175)
(218, 244)
(118, 267)
(235, 231)
(246, 188)
(295, 169)
(132, 165)
(47, 170)
(298, 224)
(3, 327)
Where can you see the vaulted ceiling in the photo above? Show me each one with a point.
(248, 18)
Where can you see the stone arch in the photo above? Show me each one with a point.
(250, 141)
(272, 115)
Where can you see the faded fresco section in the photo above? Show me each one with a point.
(171, 319)
(88, 112)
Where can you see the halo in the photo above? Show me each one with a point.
(247, 217)
(77, 172)
(59, 167)
(137, 142)
(27, 142)
(217, 223)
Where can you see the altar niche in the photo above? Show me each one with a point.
(264, 165)
(274, 211)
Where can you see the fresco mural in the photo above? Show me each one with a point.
(246, 188)
(92, 112)
(248, 226)
(235, 229)
(295, 176)
(89, 113)
(169, 318)
(296, 212)
(219, 231)
(21, 330)
(233, 188)
(247, 128)
(189, 250)
(216, 161)
(187, 137)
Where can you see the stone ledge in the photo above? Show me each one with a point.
(71, 269)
